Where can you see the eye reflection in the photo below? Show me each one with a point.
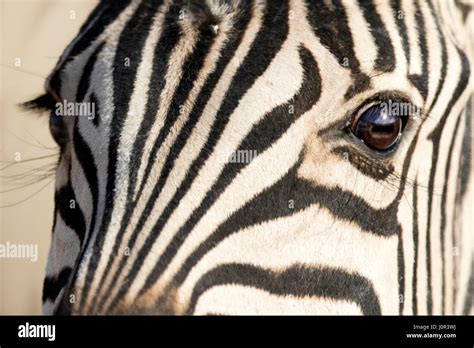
(379, 129)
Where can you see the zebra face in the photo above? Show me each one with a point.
(263, 157)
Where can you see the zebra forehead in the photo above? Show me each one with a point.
(335, 23)
(107, 21)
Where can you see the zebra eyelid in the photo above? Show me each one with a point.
(388, 97)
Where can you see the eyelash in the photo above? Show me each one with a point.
(43, 103)
(47, 103)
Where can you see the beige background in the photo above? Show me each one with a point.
(33, 35)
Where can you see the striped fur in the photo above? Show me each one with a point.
(316, 223)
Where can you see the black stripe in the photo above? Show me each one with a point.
(336, 36)
(52, 285)
(469, 300)
(72, 217)
(129, 46)
(402, 27)
(464, 8)
(226, 55)
(443, 224)
(84, 82)
(261, 137)
(385, 60)
(108, 11)
(465, 165)
(435, 137)
(96, 119)
(86, 159)
(461, 189)
(416, 242)
(444, 57)
(420, 81)
(401, 274)
(297, 280)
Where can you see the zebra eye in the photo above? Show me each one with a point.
(58, 128)
(379, 129)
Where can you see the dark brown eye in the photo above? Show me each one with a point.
(58, 128)
(378, 128)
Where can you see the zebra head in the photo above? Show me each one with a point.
(263, 157)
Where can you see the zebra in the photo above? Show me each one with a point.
(350, 205)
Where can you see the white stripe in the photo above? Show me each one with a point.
(238, 300)
(312, 237)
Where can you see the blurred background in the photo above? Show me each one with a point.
(33, 35)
